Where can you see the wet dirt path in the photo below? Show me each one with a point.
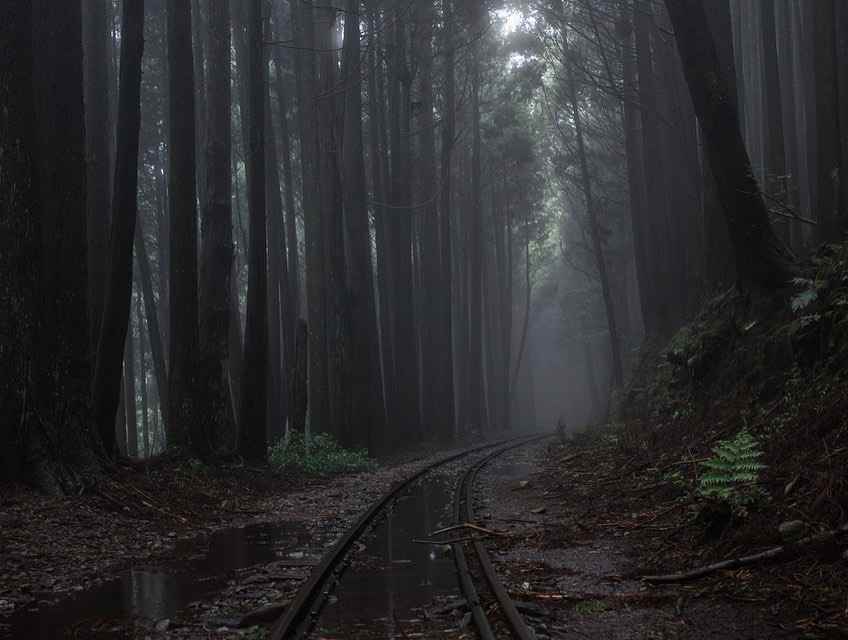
(579, 582)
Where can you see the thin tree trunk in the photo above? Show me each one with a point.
(446, 401)
(474, 379)
(142, 370)
(117, 304)
(157, 349)
(595, 231)
(293, 290)
(131, 420)
(252, 441)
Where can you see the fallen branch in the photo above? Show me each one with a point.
(744, 561)
(469, 525)
(448, 541)
(587, 595)
(263, 615)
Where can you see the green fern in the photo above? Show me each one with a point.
(732, 473)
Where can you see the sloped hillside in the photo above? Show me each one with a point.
(731, 440)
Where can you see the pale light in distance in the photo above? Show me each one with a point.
(510, 20)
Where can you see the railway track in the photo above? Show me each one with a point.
(304, 610)
(464, 512)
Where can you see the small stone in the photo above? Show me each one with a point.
(523, 484)
(466, 620)
(539, 510)
(162, 625)
(792, 530)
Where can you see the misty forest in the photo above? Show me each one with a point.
(423, 319)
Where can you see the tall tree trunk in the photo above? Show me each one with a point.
(841, 29)
(216, 260)
(379, 183)
(119, 279)
(400, 236)
(97, 35)
(279, 347)
(142, 371)
(827, 119)
(291, 287)
(305, 74)
(183, 419)
(157, 349)
(446, 400)
(252, 441)
(475, 247)
(431, 279)
(292, 303)
(337, 324)
(60, 372)
(595, 232)
(720, 268)
(660, 318)
(635, 167)
(131, 420)
(199, 49)
(365, 385)
(761, 258)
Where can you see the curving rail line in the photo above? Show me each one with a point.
(304, 609)
(463, 512)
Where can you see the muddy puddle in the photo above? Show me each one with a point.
(393, 578)
(196, 570)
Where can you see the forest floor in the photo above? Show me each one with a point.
(577, 545)
(59, 549)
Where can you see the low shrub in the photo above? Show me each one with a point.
(318, 454)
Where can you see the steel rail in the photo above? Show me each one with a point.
(463, 512)
(312, 594)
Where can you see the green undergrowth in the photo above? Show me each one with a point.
(747, 404)
(318, 454)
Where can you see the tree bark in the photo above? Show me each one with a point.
(306, 74)
(827, 119)
(400, 235)
(60, 367)
(474, 379)
(365, 384)
(252, 440)
(279, 346)
(762, 260)
(185, 426)
(157, 350)
(97, 36)
(446, 400)
(115, 321)
(142, 370)
(216, 260)
(131, 420)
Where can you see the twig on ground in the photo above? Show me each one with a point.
(469, 525)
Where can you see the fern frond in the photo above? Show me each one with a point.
(733, 471)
